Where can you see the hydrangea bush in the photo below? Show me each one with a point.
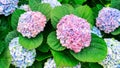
(59, 34)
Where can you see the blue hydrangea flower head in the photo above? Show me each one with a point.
(113, 57)
(108, 19)
(8, 6)
(21, 57)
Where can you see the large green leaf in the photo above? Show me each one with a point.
(54, 43)
(32, 42)
(116, 32)
(11, 35)
(58, 12)
(15, 18)
(115, 4)
(5, 59)
(86, 13)
(64, 59)
(45, 9)
(35, 5)
(96, 52)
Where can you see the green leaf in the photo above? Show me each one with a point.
(80, 1)
(95, 65)
(58, 12)
(65, 1)
(60, 0)
(54, 43)
(45, 9)
(43, 56)
(99, 6)
(96, 52)
(11, 35)
(86, 13)
(84, 65)
(21, 2)
(2, 46)
(96, 10)
(44, 47)
(15, 18)
(5, 59)
(5, 26)
(64, 59)
(116, 32)
(115, 4)
(32, 42)
(35, 5)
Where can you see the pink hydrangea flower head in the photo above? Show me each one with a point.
(108, 19)
(31, 23)
(74, 32)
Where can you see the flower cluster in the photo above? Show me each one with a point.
(25, 7)
(96, 31)
(74, 32)
(108, 19)
(51, 64)
(113, 57)
(21, 57)
(31, 23)
(53, 3)
(8, 6)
